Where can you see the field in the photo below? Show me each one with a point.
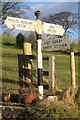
(10, 69)
(10, 66)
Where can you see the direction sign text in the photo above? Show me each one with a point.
(20, 24)
(35, 26)
(56, 44)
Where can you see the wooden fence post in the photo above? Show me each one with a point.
(1, 113)
(72, 59)
(27, 51)
(52, 73)
(27, 48)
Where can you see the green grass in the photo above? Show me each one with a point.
(56, 109)
(62, 69)
(10, 66)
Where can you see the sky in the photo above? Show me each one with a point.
(40, 0)
(50, 7)
(47, 8)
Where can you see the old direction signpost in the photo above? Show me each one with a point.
(39, 27)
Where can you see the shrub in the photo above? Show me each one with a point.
(19, 40)
(75, 47)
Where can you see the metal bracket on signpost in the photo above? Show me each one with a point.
(39, 56)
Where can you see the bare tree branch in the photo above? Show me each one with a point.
(66, 19)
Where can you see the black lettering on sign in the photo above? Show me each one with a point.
(13, 20)
(52, 27)
(30, 23)
(52, 41)
(48, 42)
(47, 47)
(56, 41)
(20, 25)
(51, 30)
(23, 22)
(26, 22)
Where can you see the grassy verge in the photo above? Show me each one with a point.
(42, 109)
(48, 110)
(10, 66)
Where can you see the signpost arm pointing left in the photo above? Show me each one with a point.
(20, 24)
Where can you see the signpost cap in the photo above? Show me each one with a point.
(37, 14)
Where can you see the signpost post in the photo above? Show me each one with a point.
(39, 55)
(39, 27)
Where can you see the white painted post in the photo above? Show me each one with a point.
(39, 55)
(73, 81)
(52, 73)
(39, 59)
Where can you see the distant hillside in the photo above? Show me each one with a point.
(75, 46)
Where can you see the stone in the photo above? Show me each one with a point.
(52, 98)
